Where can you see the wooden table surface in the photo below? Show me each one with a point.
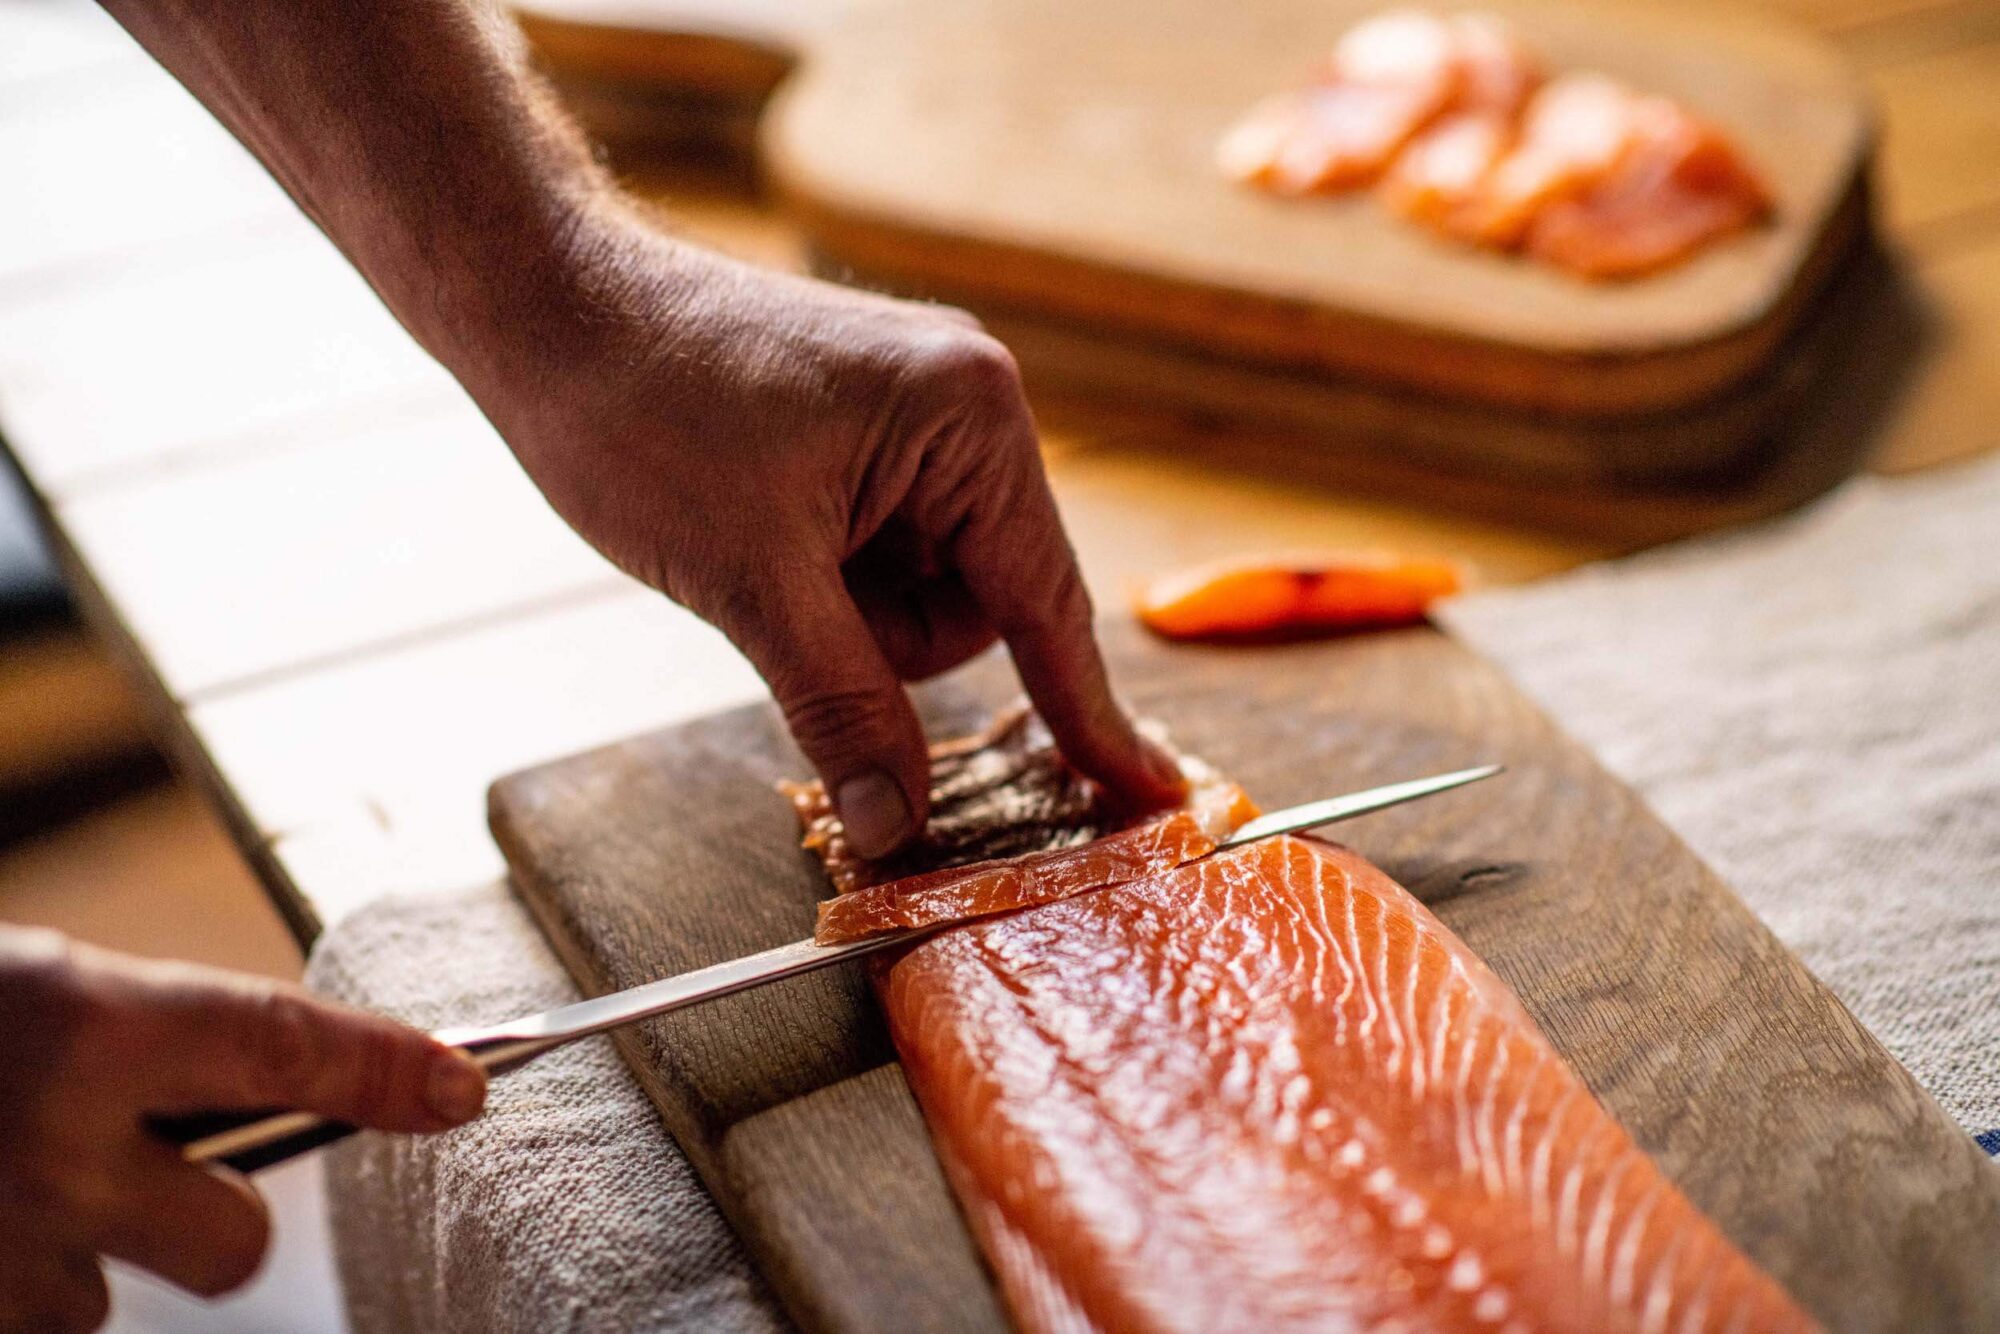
(351, 611)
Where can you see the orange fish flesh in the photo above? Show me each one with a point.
(1272, 596)
(1269, 1090)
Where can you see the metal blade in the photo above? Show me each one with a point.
(1297, 819)
(252, 1140)
(723, 979)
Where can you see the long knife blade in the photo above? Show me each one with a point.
(251, 1140)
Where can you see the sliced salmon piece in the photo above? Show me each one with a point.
(964, 893)
(1267, 596)
(1268, 1090)
(1388, 78)
(1572, 134)
(1679, 184)
(1010, 789)
(1497, 73)
(1443, 171)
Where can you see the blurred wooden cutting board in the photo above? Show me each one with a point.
(1752, 1086)
(1049, 164)
(1059, 157)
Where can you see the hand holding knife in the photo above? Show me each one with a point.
(248, 1141)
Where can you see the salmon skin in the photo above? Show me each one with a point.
(962, 893)
(1268, 1090)
(1011, 826)
(1000, 792)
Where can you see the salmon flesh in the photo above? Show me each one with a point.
(1268, 1090)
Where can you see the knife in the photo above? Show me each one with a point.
(248, 1141)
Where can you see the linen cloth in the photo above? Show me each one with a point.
(1814, 705)
(566, 1207)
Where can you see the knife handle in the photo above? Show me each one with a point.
(248, 1141)
(267, 1136)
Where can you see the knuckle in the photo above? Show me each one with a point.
(971, 367)
(824, 717)
(280, 1035)
(1057, 603)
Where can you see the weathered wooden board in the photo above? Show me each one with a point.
(1058, 158)
(1728, 1061)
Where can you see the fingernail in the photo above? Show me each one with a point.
(875, 813)
(456, 1089)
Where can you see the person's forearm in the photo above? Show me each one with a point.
(411, 131)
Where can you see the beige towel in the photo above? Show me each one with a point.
(1812, 705)
(1815, 706)
(565, 1208)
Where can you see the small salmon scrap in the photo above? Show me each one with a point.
(1246, 598)
(997, 793)
(1268, 1090)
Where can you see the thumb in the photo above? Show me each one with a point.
(844, 703)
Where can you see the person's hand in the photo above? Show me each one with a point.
(93, 1043)
(849, 486)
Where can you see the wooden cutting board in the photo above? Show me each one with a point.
(1058, 158)
(1753, 1087)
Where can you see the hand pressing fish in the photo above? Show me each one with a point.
(1452, 117)
(1263, 1089)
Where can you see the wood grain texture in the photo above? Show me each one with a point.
(1752, 1086)
(1046, 156)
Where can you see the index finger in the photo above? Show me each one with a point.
(1013, 554)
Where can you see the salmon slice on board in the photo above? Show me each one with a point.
(1603, 182)
(1679, 184)
(1268, 1090)
(1571, 136)
(1388, 79)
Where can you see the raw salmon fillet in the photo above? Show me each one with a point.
(1267, 1090)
